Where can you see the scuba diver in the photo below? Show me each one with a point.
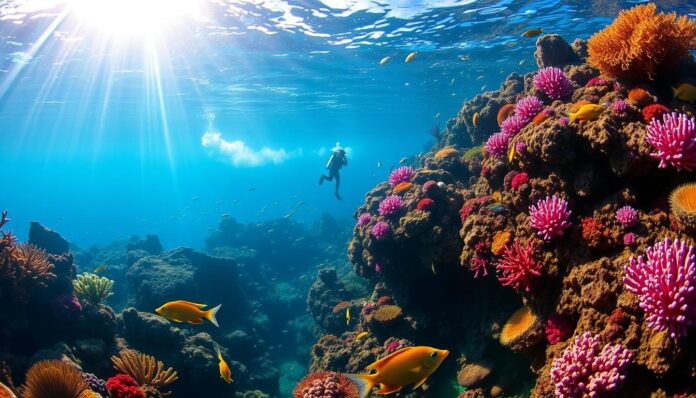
(337, 160)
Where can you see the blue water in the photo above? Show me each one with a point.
(102, 129)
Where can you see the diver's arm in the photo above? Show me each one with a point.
(331, 159)
(345, 161)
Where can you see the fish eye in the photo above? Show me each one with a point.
(433, 354)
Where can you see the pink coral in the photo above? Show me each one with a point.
(429, 187)
(479, 266)
(518, 267)
(598, 82)
(588, 369)
(553, 82)
(519, 179)
(665, 283)
(364, 219)
(627, 216)
(381, 230)
(392, 346)
(629, 239)
(619, 106)
(550, 217)
(528, 107)
(401, 174)
(558, 329)
(391, 205)
(674, 138)
(496, 145)
(512, 125)
(425, 204)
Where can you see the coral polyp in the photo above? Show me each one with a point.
(674, 139)
(550, 217)
(401, 174)
(497, 144)
(390, 206)
(553, 82)
(518, 267)
(326, 385)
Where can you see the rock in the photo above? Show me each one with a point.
(47, 239)
(579, 47)
(552, 50)
(151, 245)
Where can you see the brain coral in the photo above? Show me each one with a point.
(641, 43)
(682, 202)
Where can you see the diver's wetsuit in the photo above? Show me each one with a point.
(336, 161)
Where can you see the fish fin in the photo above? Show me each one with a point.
(219, 355)
(571, 117)
(420, 382)
(196, 321)
(365, 382)
(211, 315)
(379, 363)
(674, 92)
(190, 303)
(386, 389)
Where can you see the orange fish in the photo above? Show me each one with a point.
(225, 373)
(410, 365)
(186, 311)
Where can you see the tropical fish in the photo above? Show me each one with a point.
(194, 198)
(533, 32)
(497, 208)
(384, 61)
(437, 115)
(411, 56)
(379, 163)
(410, 365)
(403, 160)
(511, 154)
(465, 57)
(586, 112)
(522, 62)
(186, 311)
(685, 92)
(452, 82)
(432, 268)
(348, 316)
(100, 268)
(225, 372)
(474, 119)
(361, 335)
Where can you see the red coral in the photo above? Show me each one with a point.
(124, 386)
(654, 111)
(592, 231)
(558, 329)
(425, 204)
(479, 266)
(518, 267)
(519, 179)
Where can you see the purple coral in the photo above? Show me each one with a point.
(674, 138)
(627, 216)
(619, 106)
(629, 239)
(381, 230)
(401, 174)
(96, 384)
(528, 107)
(497, 144)
(553, 82)
(550, 217)
(665, 283)
(588, 369)
(364, 219)
(512, 125)
(391, 205)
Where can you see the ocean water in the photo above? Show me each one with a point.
(208, 124)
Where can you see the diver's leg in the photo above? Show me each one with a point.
(338, 184)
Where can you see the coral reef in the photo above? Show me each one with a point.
(326, 385)
(93, 288)
(144, 369)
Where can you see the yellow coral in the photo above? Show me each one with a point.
(682, 202)
(641, 43)
(54, 379)
(144, 369)
(92, 287)
(387, 313)
(445, 152)
(500, 239)
(521, 322)
(472, 152)
(402, 187)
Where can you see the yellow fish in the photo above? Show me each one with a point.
(186, 311)
(511, 154)
(410, 365)
(100, 268)
(533, 32)
(685, 92)
(225, 372)
(474, 119)
(586, 112)
(384, 61)
(411, 56)
(348, 316)
(361, 335)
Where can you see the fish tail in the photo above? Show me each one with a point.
(571, 117)
(675, 92)
(211, 315)
(365, 382)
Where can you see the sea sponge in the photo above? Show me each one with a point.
(402, 187)
(387, 313)
(500, 239)
(682, 202)
(523, 330)
(641, 43)
(425, 204)
(473, 373)
(558, 328)
(445, 152)
(505, 112)
(54, 379)
(326, 385)
(144, 369)
(653, 111)
(471, 153)
(640, 97)
(92, 287)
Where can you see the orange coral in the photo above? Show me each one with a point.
(500, 239)
(23, 267)
(55, 379)
(640, 43)
(505, 112)
(387, 313)
(640, 97)
(682, 202)
(540, 117)
(402, 187)
(445, 152)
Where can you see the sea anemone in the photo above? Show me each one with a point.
(640, 97)
(674, 138)
(402, 187)
(627, 216)
(381, 230)
(54, 379)
(518, 267)
(629, 239)
(401, 174)
(505, 112)
(364, 219)
(528, 107)
(425, 204)
(682, 202)
(553, 82)
(665, 283)
(512, 125)
(519, 179)
(387, 313)
(390, 205)
(588, 369)
(500, 240)
(326, 385)
(550, 217)
(496, 145)
(653, 111)
(523, 330)
(640, 43)
(558, 328)
(445, 152)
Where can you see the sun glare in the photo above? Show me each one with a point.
(133, 17)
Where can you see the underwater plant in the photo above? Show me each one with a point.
(674, 138)
(553, 82)
(401, 174)
(588, 369)
(144, 369)
(518, 267)
(54, 379)
(550, 217)
(92, 287)
(640, 43)
(665, 283)
(496, 145)
(326, 385)
(390, 206)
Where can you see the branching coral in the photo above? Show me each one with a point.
(124, 386)
(674, 138)
(641, 43)
(54, 379)
(326, 385)
(144, 369)
(92, 287)
(518, 267)
(23, 267)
